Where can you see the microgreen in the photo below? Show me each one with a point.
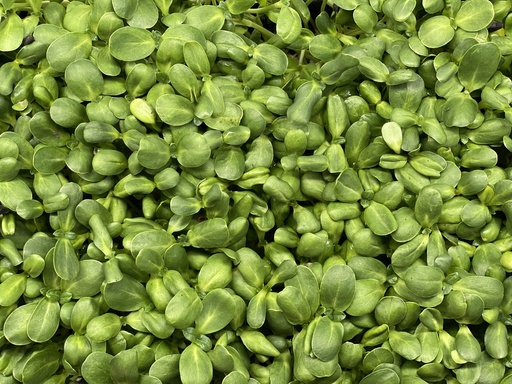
(241, 191)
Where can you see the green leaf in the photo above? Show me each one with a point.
(383, 375)
(436, 32)
(271, 59)
(10, 168)
(211, 233)
(174, 109)
(109, 162)
(140, 80)
(229, 163)
(348, 5)
(153, 153)
(230, 114)
(491, 132)
(77, 17)
(183, 309)
(373, 69)
(16, 324)
(257, 309)
(192, 150)
(166, 368)
(44, 321)
(67, 265)
(428, 164)
(13, 192)
(392, 135)
(96, 368)
(294, 305)
(408, 227)
(67, 112)
(474, 15)
(288, 24)
(11, 32)
(478, 65)
(368, 294)
(405, 344)
(475, 214)
(502, 192)
(379, 219)
(195, 366)
(390, 311)
(490, 290)
(207, 18)
(107, 64)
(424, 281)
(149, 261)
(107, 24)
(215, 273)
(307, 283)
(103, 327)
(433, 6)
(433, 128)
(365, 268)
(131, 44)
(365, 17)
(12, 288)
(145, 16)
(172, 41)
(337, 288)
(184, 81)
(407, 95)
(185, 206)
(76, 347)
(257, 342)
(480, 157)
(403, 10)
(237, 7)
(68, 48)
(218, 311)
(125, 295)
(41, 365)
(467, 345)
(124, 367)
(327, 339)
(125, 9)
(196, 58)
(495, 340)
(428, 207)
(460, 110)
(49, 159)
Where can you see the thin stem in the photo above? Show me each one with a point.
(265, 32)
(302, 55)
(264, 9)
(324, 4)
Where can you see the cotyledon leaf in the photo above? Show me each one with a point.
(131, 43)
(195, 366)
(337, 288)
(478, 64)
(218, 310)
(67, 48)
(44, 321)
(380, 219)
(289, 24)
(428, 207)
(474, 15)
(13, 192)
(436, 32)
(11, 32)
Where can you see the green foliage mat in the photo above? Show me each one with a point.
(246, 192)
